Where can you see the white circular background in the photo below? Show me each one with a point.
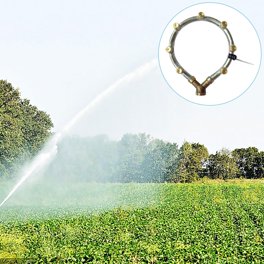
(202, 48)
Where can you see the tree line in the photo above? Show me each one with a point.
(141, 158)
(134, 158)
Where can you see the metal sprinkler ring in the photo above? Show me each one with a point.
(201, 88)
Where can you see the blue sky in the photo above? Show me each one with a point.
(62, 53)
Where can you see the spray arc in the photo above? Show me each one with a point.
(201, 87)
(50, 150)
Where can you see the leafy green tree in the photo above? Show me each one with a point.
(192, 159)
(85, 159)
(135, 158)
(35, 127)
(23, 129)
(249, 162)
(160, 161)
(11, 137)
(132, 151)
(172, 161)
(222, 165)
(260, 165)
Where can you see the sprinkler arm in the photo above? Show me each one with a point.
(201, 87)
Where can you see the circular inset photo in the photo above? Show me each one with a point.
(209, 53)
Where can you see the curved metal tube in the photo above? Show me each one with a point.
(201, 88)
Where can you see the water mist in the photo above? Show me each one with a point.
(50, 149)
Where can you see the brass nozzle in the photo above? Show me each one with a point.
(201, 15)
(200, 90)
(224, 70)
(169, 49)
(223, 24)
(177, 26)
(179, 70)
(232, 48)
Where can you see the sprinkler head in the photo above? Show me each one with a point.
(201, 87)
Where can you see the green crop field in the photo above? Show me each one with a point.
(157, 223)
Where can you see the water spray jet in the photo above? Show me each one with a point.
(49, 151)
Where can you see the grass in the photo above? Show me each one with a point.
(200, 222)
(236, 181)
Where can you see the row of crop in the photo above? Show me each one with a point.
(188, 223)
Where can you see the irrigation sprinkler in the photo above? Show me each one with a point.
(177, 27)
